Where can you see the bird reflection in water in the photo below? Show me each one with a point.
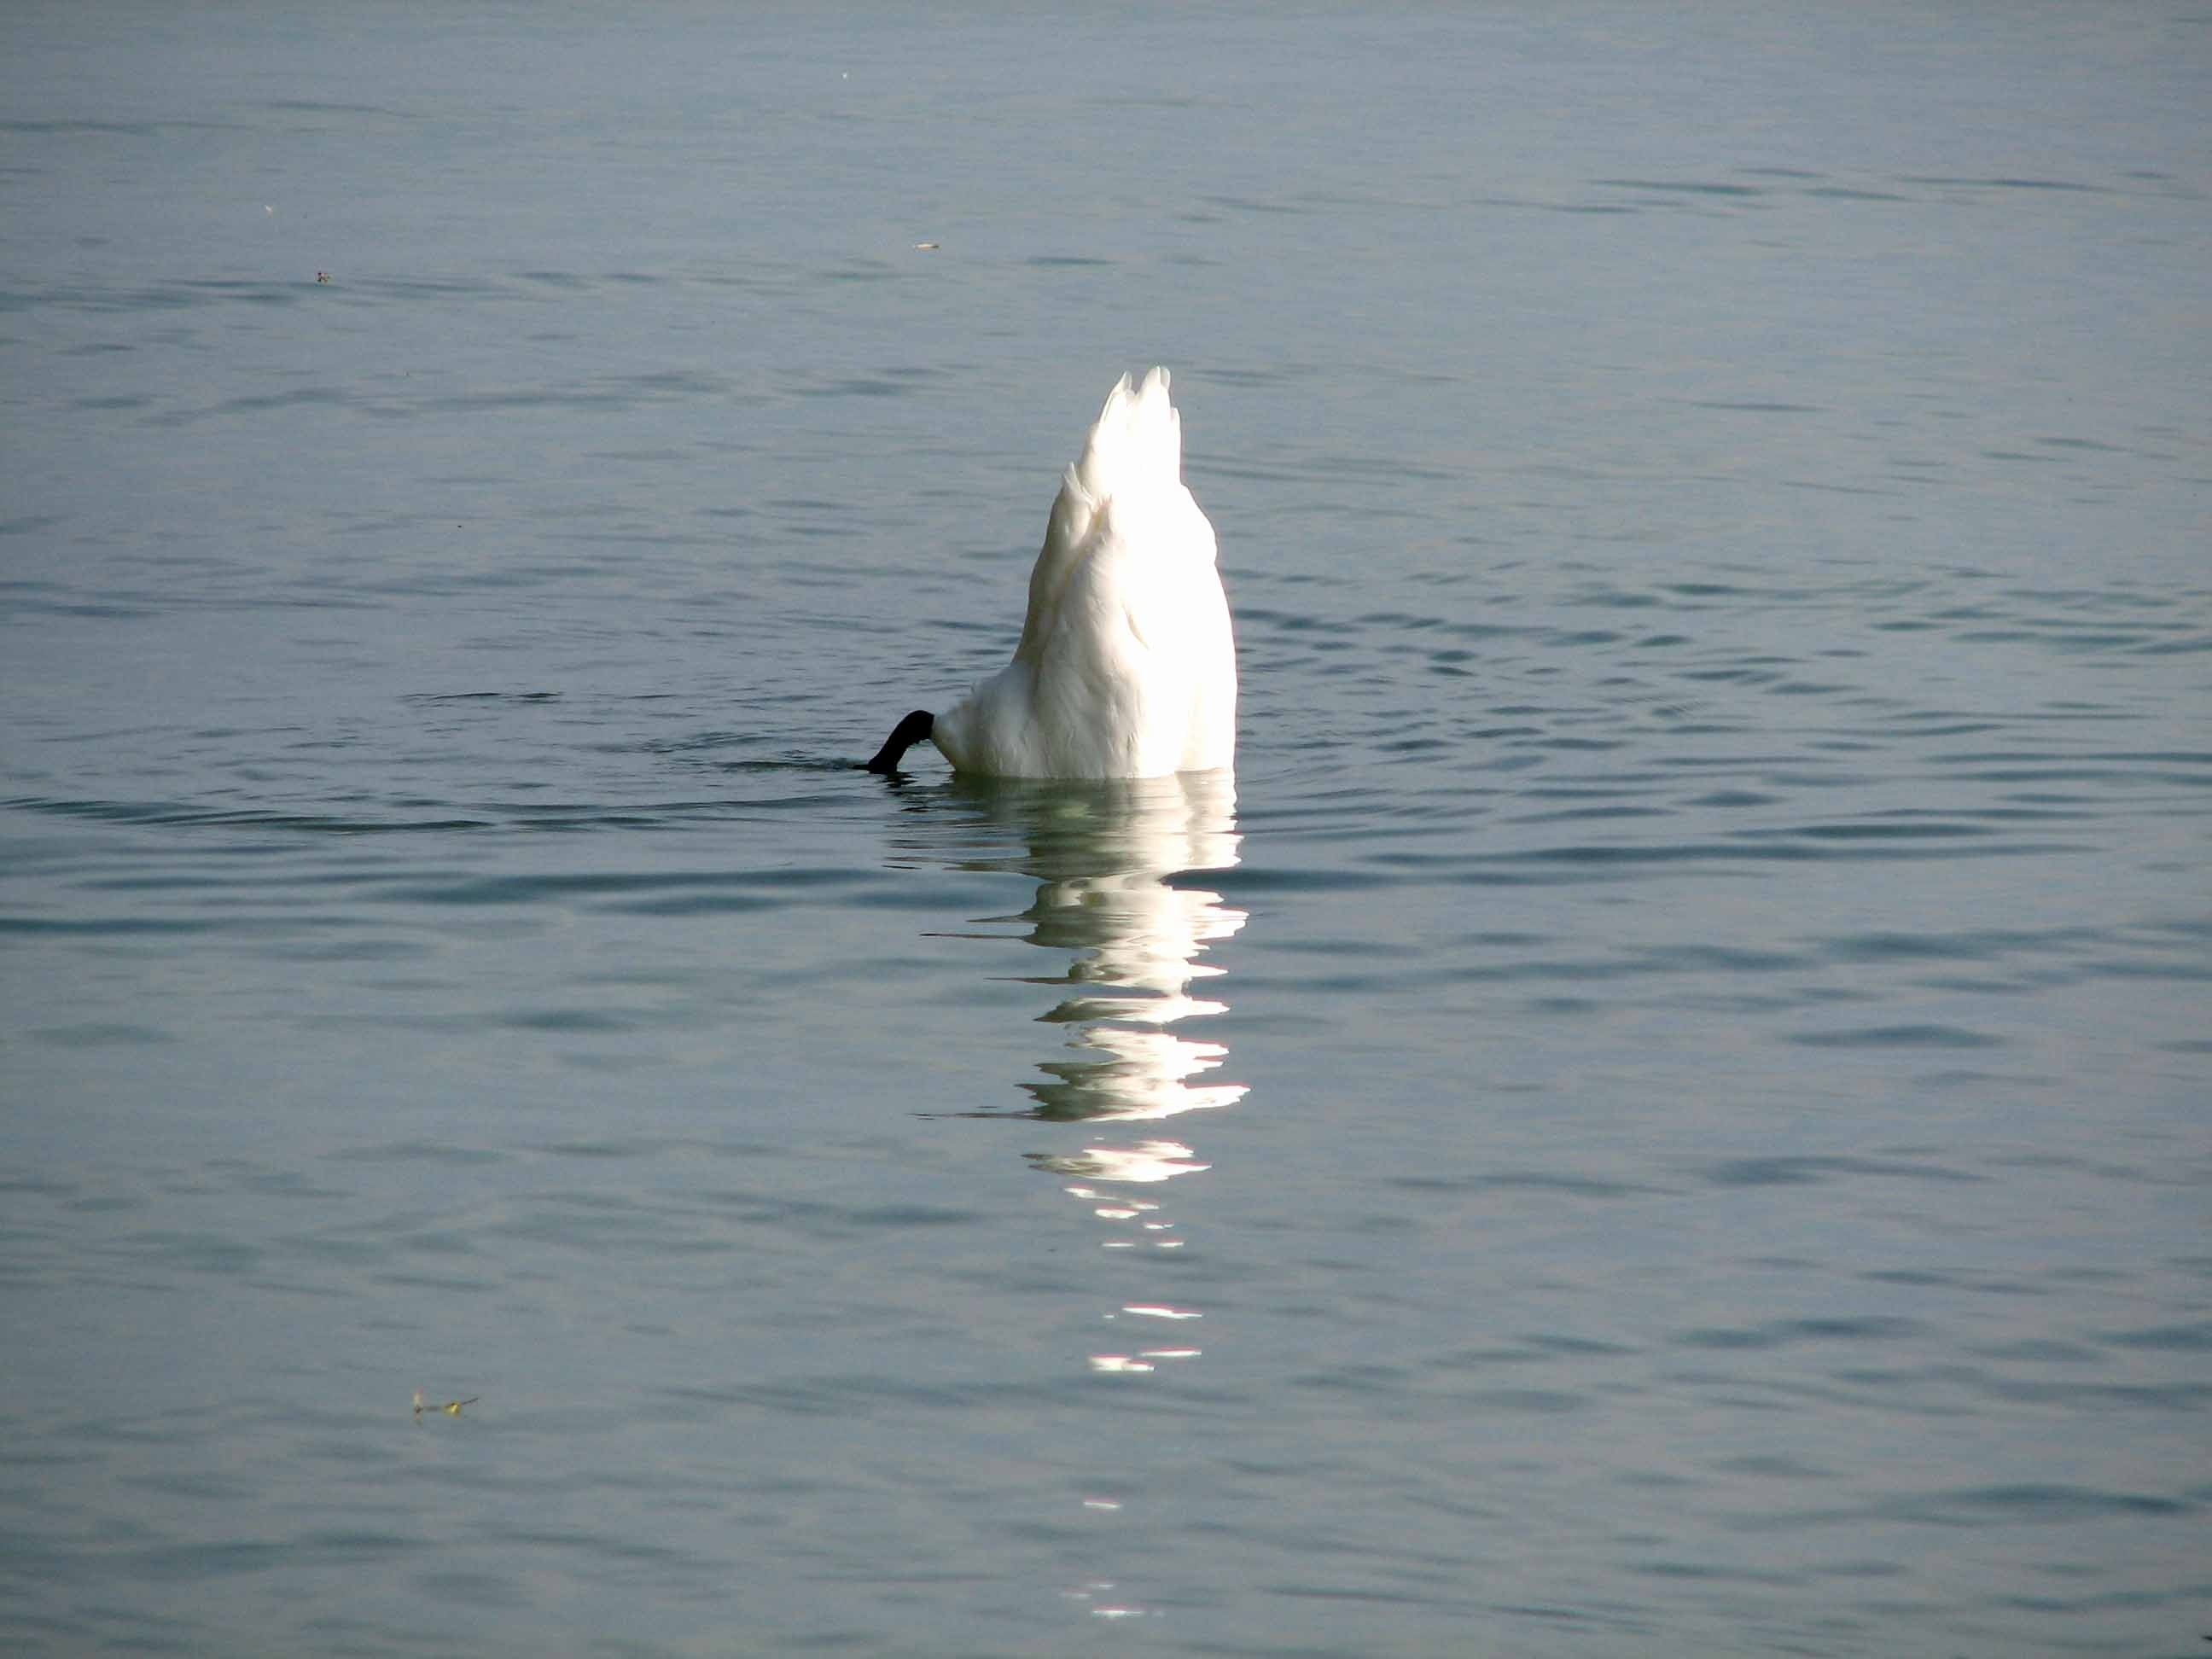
(1107, 859)
(1130, 933)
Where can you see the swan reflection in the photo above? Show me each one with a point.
(1106, 857)
(1131, 929)
(1113, 900)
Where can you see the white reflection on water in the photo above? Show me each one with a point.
(1109, 861)
(1105, 857)
(1105, 898)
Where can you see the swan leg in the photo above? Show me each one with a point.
(914, 729)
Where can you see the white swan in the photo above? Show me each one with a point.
(1126, 667)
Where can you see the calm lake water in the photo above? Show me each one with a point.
(1661, 1111)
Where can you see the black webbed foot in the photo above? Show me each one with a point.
(914, 729)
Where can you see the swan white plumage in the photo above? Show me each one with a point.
(1126, 667)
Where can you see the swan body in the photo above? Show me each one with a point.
(1126, 667)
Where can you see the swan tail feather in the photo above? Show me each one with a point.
(1133, 450)
(1136, 446)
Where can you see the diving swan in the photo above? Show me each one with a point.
(1126, 668)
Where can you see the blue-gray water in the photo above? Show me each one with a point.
(1664, 1114)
